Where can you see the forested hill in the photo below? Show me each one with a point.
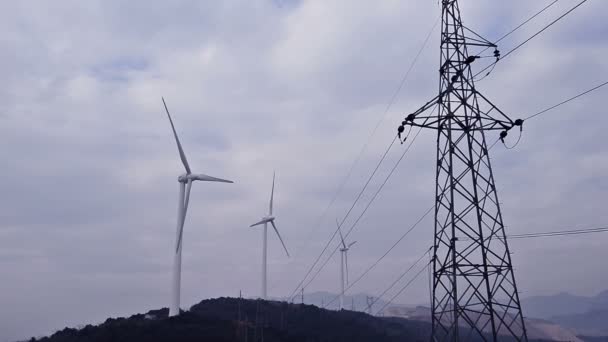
(232, 319)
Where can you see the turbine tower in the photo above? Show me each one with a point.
(343, 265)
(474, 292)
(265, 221)
(185, 184)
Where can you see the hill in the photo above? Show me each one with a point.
(231, 319)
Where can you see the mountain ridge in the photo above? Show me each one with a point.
(234, 319)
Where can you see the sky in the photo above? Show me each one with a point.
(89, 179)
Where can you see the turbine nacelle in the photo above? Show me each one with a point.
(185, 178)
(265, 219)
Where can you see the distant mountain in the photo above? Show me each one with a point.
(591, 323)
(555, 305)
(600, 302)
(563, 304)
(586, 316)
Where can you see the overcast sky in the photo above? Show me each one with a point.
(89, 178)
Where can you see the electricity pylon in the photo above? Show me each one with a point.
(474, 292)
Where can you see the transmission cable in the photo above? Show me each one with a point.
(384, 116)
(521, 25)
(363, 212)
(558, 233)
(392, 100)
(566, 101)
(525, 22)
(531, 37)
(348, 212)
(549, 233)
(551, 108)
(377, 298)
(373, 265)
(401, 290)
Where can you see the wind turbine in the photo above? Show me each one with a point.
(185, 184)
(265, 221)
(343, 264)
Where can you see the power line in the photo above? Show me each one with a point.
(526, 21)
(566, 101)
(544, 28)
(385, 114)
(522, 24)
(373, 265)
(558, 233)
(551, 233)
(349, 211)
(349, 173)
(401, 290)
(366, 208)
(402, 275)
(531, 37)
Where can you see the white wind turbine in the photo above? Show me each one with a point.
(265, 220)
(343, 265)
(185, 184)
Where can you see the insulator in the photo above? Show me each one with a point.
(470, 59)
(503, 135)
(520, 123)
(400, 129)
(496, 53)
(411, 117)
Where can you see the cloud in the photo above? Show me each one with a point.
(89, 182)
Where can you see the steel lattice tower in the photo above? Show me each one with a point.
(474, 292)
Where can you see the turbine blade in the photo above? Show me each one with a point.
(352, 243)
(272, 194)
(259, 223)
(182, 155)
(340, 231)
(186, 201)
(205, 178)
(279, 235)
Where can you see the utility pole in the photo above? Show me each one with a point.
(240, 299)
(370, 303)
(474, 290)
